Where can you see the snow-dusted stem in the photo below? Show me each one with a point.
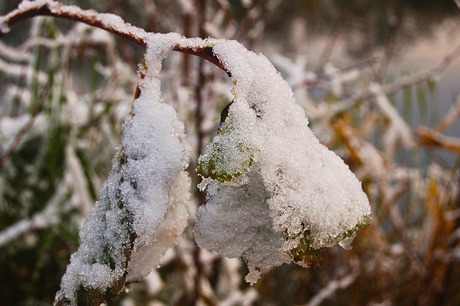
(109, 22)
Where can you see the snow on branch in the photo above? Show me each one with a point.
(109, 22)
(48, 216)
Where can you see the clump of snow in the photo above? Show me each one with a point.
(141, 211)
(275, 194)
(236, 223)
(147, 257)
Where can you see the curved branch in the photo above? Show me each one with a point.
(109, 22)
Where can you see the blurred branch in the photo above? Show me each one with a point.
(429, 74)
(109, 22)
(20, 71)
(395, 22)
(199, 115)
(333, 286)
(43, 219)
(39, 221)
(392, 88)
(13, 54)
(451, 115)
(332, 38)
(433, 139)
(399, 226)
(17, 140)
(316, 80)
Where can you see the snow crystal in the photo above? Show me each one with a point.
(142, 204)
(297, 196)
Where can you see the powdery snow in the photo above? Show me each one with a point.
(275, 194)
(294, 195)
(143, 201)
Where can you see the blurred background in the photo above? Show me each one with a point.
(377, 79)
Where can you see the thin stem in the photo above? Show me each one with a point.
(109, 22)
(201, 10)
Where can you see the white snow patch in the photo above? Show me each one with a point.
(299, 197)
(144, 197)
(275, 195)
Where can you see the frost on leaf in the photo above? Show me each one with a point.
(275, 194)
(141, 210)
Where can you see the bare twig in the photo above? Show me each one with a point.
(109, 22)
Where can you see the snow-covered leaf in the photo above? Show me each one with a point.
(294, 196)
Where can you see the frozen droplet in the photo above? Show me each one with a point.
(346, 243)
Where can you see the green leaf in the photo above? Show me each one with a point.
(230, 154)
(222, 164)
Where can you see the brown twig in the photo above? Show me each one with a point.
(109, 22)
(432, 139)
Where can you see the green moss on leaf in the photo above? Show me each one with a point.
(352, 232)
(221, 166)
(306, 253)
(229, 155)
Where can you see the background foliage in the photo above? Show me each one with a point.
(66, 88)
